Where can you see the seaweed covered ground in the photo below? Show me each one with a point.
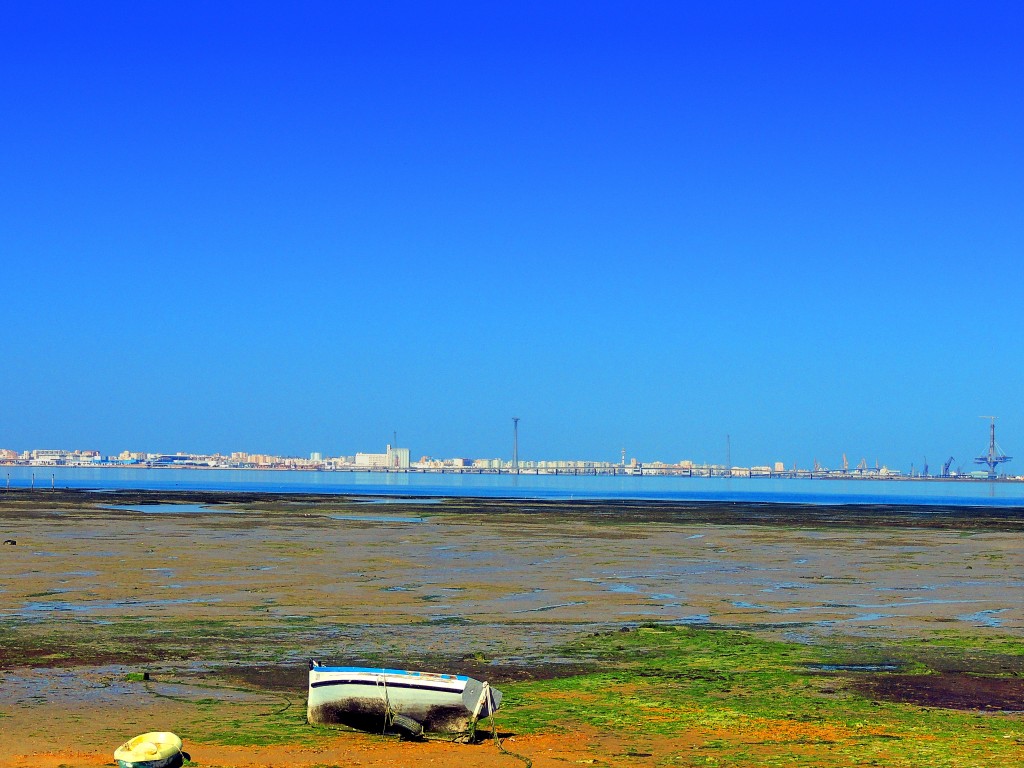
(621, 633)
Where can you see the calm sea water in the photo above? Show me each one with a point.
(808, 491)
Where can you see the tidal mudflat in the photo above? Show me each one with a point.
(624, 633)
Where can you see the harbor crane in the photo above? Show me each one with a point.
(946, 466)
(995, 455)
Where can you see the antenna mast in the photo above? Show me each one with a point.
(515, 444)
(995, 455)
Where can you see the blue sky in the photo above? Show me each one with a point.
(301, 227)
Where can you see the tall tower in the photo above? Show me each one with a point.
(515, 444)
(995, 455)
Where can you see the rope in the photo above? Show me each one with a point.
(469, 736)
(501, 748)
(148, 686)
(389, 714)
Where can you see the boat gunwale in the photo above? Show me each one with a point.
(376, 684)
(382, 671)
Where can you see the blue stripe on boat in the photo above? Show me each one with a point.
(379, 671)
(376, 684)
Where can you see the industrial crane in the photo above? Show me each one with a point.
(995, 455)
(946, 466)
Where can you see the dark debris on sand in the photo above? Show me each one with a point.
(612, 512)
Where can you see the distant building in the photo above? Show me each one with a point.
(392, 458)
(47, 456)
(371, 460)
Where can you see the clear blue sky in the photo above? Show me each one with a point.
(302, 226)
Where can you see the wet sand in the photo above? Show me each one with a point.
(491, 587)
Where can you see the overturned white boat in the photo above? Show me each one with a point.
(378, 699)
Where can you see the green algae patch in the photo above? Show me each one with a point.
(229, 725)
(735, 699)
(686, 696)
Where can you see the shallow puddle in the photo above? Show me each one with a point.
(986, 618)
(854, 667)
(42, 609)
(173, 509)
(379, 518)
(397, 500)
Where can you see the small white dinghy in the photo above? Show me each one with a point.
(157, 749)
(374, 699)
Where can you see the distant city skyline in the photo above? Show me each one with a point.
(964, 463)
(300, 229)
(396, 459)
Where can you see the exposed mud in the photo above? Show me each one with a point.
(491, 588)
(939, 517)
(275, 677)
(294, 677)
(947, 690)
(42, 654)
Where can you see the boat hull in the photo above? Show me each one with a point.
(168, 762)
(157, 749)
(364, 698)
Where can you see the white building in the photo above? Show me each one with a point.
(393, 458)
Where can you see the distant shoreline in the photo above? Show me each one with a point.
(641, 471)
